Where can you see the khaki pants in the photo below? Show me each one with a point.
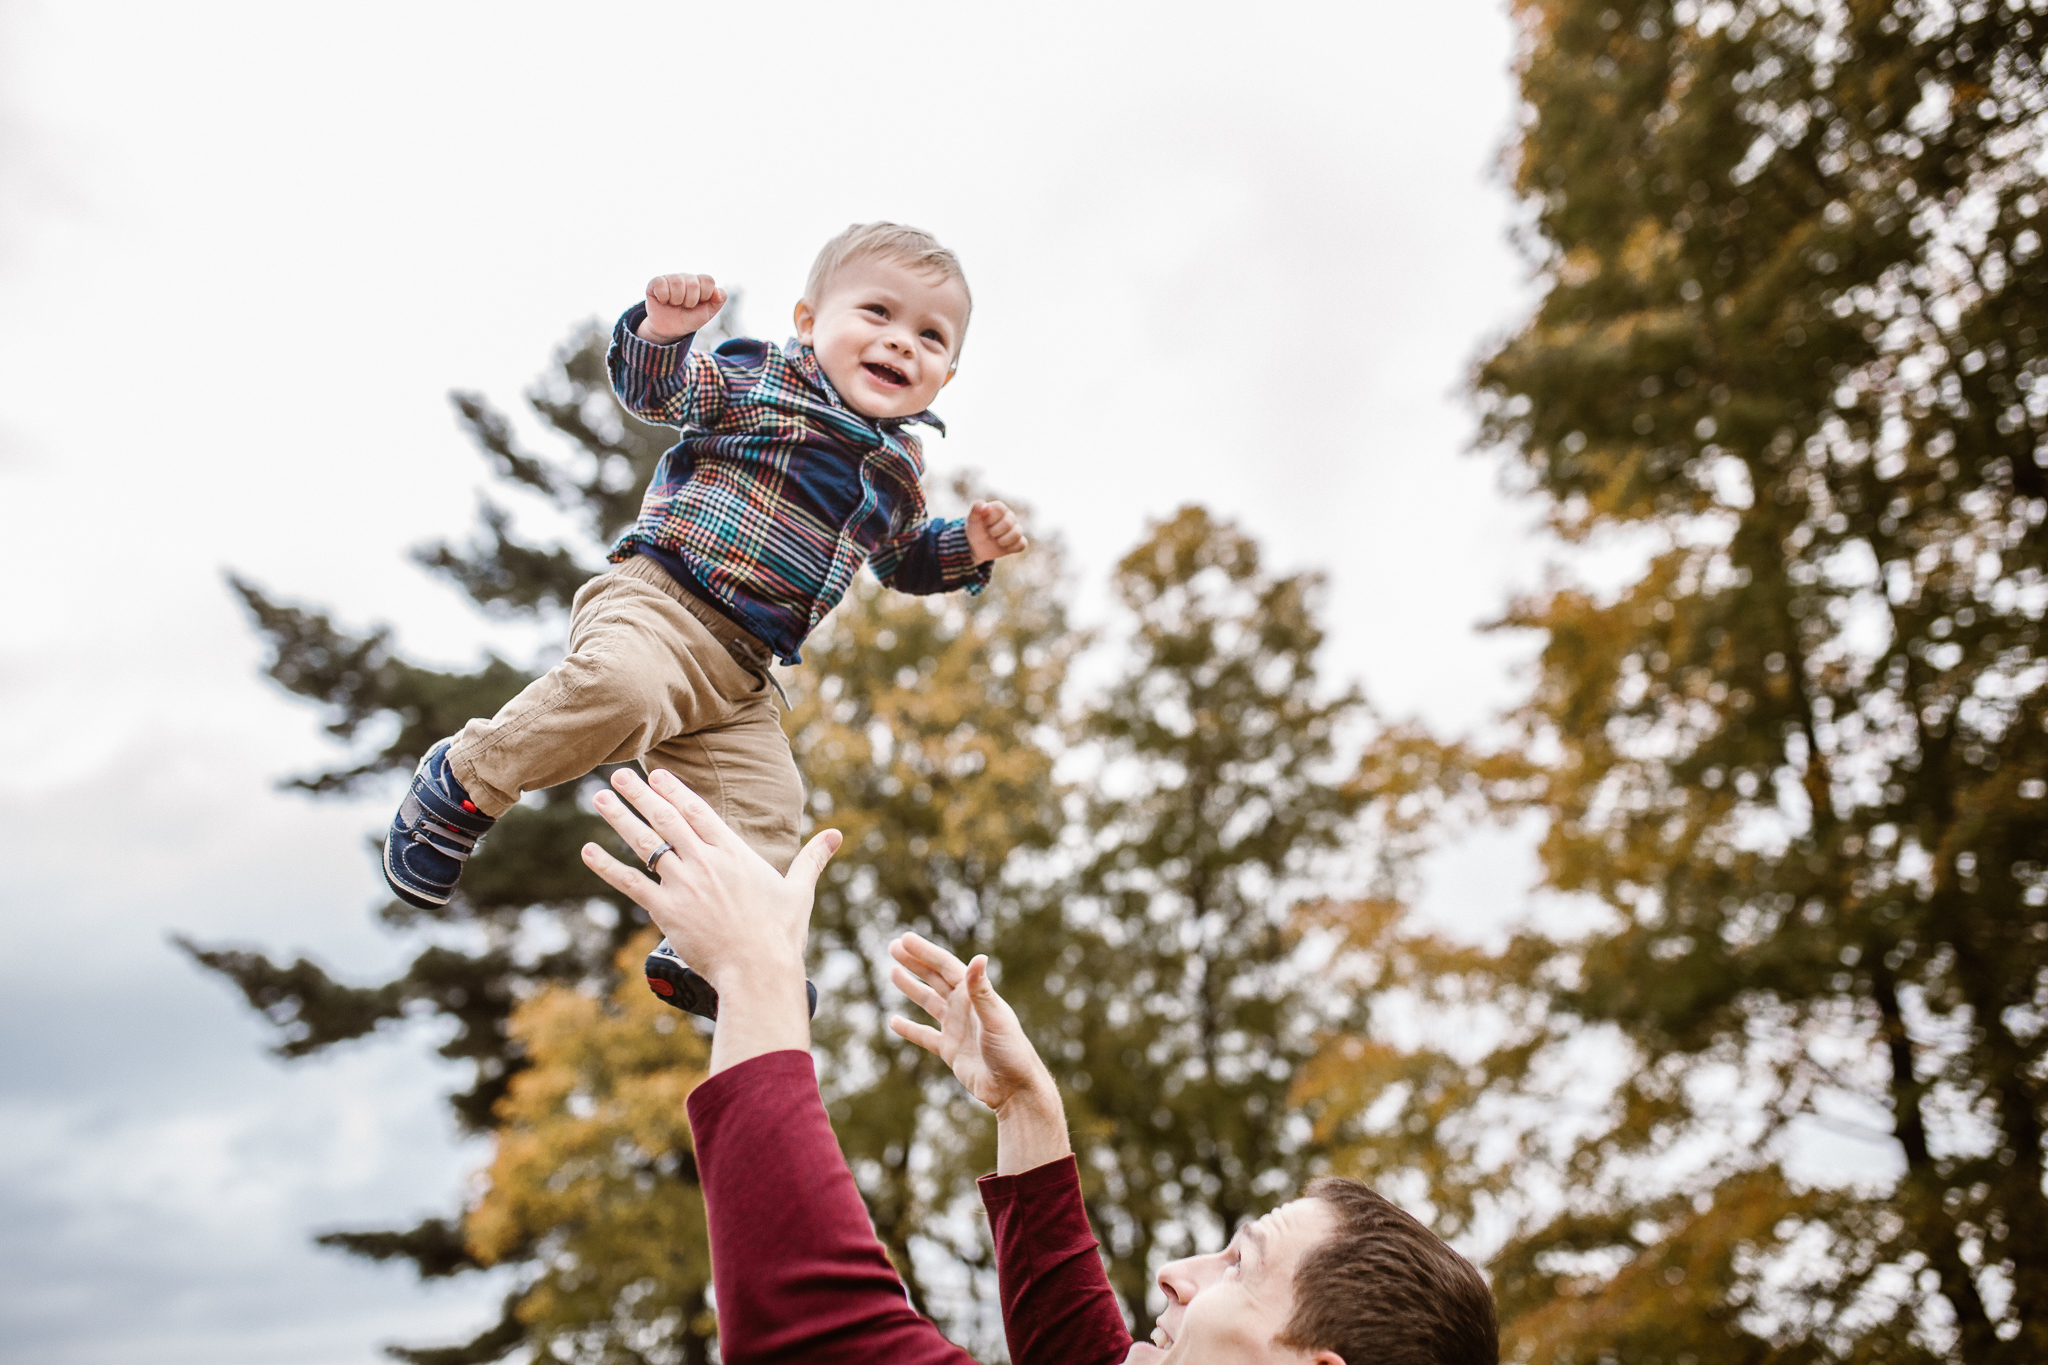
(651, 675)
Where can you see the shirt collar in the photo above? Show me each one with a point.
(806, 361)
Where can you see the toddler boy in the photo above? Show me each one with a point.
(795, 467)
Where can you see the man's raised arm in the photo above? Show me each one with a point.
(1058, 1308)
(797, 1269)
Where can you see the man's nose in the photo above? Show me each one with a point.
(1177, 1281)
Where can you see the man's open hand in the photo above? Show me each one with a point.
(678, 305)
(978, 1034)
(730, 915)
(994, 531)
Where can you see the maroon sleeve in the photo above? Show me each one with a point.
(798, 1271)
(1058, 1308)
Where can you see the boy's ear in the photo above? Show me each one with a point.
(805, 320)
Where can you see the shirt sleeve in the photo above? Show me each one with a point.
(799, 1273)
(1058, 1308)
(932, 556)
(673, 384)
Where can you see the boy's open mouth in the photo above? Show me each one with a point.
(886, 374)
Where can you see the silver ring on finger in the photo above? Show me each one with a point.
(655, 856)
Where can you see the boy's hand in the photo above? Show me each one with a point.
(994, 531)
(678, 305)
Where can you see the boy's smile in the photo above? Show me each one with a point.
(885, 334)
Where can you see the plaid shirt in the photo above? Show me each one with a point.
(778, 492)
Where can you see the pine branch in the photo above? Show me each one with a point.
(503, 575)
(310, 1008)
(435, 1247)
(490, 1345)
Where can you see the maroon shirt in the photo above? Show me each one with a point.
(800, 1275)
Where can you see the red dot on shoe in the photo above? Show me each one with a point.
(660, 987)
(470, 806)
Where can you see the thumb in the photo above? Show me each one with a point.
(977, 512)
(987, 1004)
(810, 863)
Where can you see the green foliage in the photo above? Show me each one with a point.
(594, 1180)
(1176, 1001)
(927, 729)
(1790, 346)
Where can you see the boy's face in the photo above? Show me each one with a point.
(885, 334)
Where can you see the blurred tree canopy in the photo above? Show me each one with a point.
(1790, 352)
(1138, 911)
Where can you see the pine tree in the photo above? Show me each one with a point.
(1790, 341)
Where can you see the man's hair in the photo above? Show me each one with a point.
(911, 246)
(1384, 1290)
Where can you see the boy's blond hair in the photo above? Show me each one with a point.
(911, 246)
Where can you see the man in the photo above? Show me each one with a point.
(1337, 1277)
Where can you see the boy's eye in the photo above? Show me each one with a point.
(931, 335)
(877, 310)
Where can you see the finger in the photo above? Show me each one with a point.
(659, 810)
(981, 992)
(718, 297)
(640, 840)
(630, 826)
(696, 812)
(919, 991)
(949, 967)
(978, 512)
(917, 968)
(811, 862)
(930, 1039)
(633, 883)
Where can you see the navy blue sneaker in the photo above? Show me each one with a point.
(436, 829)
(669, 977)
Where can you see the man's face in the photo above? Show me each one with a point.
(885, 334)
(1231, 1305)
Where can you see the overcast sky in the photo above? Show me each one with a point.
(245, 251)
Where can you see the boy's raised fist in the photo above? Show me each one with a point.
(678, 305)
(994, 531)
